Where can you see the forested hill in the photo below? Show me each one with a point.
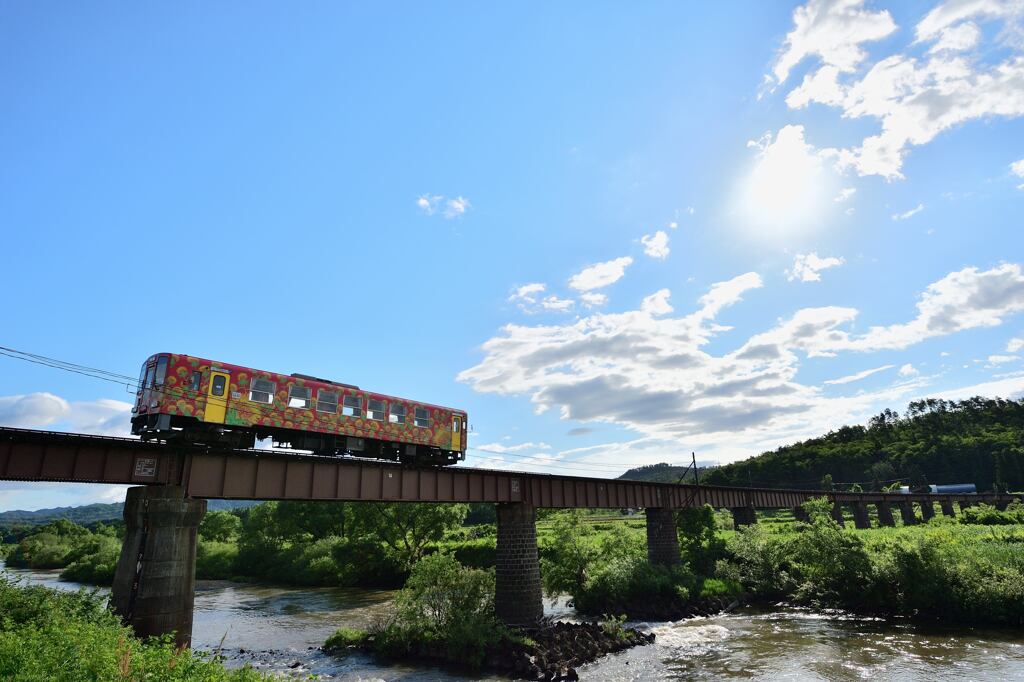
(978, 441)
(91, 513)
(663, 473)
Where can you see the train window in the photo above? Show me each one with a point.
(455, 424)
(219, 385)
(353, 406)
(161, 370)
(150, 374)
(299, 396)
(375, 409)
(262, 391)
(327, 402)
(197, 378)
(142, 377)
(397, 414)
(422, 418)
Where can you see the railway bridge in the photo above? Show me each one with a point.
(155, 577)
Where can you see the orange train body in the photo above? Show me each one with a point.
(190, 399)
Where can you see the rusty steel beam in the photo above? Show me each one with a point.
(28, 455)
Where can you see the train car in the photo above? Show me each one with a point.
(951, 489)
(182, 398)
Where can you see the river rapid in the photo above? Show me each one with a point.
(280, 628)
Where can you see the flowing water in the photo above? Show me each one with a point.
(276, 628)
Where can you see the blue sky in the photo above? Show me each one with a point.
(614, 233)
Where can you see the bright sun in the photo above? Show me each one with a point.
(789, 188)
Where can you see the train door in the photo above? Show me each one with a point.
(217, 398)
(456, 432)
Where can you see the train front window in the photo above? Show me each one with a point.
(161, 370)
(262, 391)
(375, 410)
(142, 377)
(298, 396)
(353, 406)
(150, 375)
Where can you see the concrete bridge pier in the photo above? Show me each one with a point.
(155, 578)
(800, 514)
(927, 510)
(885, 518)
(907, 512)
(947, 508)
(861, 519)
(517, 595)
(743, 516)
(837, 514)
(662, 538)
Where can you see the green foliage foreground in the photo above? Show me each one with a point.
(957, 574)
(53, 635)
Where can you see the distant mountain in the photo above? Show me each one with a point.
(664, 473)
(91, 513)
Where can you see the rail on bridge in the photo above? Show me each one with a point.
(154, 582)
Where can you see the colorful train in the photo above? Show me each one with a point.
(182, 398)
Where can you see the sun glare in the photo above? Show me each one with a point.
(787, 191)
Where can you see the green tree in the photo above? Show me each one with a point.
(406, 528)
(220, 526)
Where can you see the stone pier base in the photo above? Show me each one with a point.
(517, 597)
(861, 519)
(662, 539)
(837, 514)
(947, 508)
(885, 514)
(743, 516)
(927, 510)
(907, 512)
(155, 578)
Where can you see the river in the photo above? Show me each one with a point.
(277, 628)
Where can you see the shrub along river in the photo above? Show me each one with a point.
(276, 628)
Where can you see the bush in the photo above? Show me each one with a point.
(445, 604)
(216, 560)
(631, 585)
(94, 561)
(53, 635)
(987, 515)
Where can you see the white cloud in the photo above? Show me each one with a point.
(556, 304)
(908, 214)
(521, 447)
(529, 299)
(833, 31)
(807, 267)
(908, 370)
(1014, 345)
(451, 208)
(913, 99)
(650, 369)
(1017, 168)
(859, 375)
(600, 275)
(1001, 359)
(592, 299)
(965, 299)
(46, 410)
(656, 245)
(454, 208)
(845, 194)
(727, 293)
